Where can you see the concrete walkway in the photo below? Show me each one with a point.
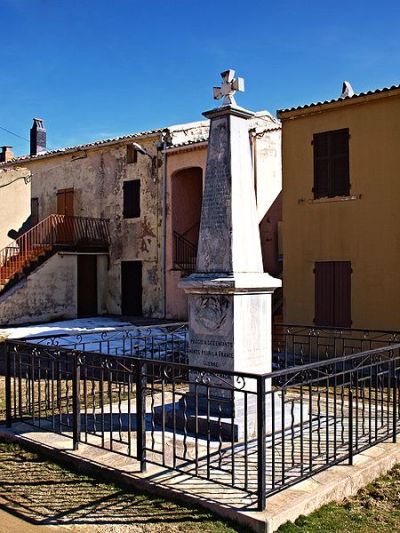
(334, 484)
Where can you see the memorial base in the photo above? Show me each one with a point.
(234, 427)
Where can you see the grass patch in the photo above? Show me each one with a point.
(376, 508)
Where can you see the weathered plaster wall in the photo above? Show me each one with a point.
(97, 177)
(15, 198)
(48, 293)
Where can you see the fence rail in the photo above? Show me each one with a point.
(298, 344)
(256, 434)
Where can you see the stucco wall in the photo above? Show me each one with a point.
(364, 230)
(15, 202)
(195, 157)
(48, 293)
(97, 178)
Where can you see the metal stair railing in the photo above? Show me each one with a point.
(185, 253)
(53, 230)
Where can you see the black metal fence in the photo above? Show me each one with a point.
(298, 345)
(163, 342)
(256, 434)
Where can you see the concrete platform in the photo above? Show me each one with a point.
(333, 484)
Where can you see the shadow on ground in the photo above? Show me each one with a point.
(44, 493)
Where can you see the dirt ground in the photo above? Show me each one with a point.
(38, 496)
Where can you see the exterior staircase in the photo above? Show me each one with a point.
(53, 234)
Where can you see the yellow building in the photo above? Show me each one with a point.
(341, 215)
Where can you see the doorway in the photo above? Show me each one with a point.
(65, 206)
(131, 288)
(87, 285)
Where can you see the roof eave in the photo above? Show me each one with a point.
(362, 98)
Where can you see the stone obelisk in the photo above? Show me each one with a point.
(229, 295)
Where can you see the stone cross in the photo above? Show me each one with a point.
(228, 87)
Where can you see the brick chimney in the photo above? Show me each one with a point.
(6, 154)
(38, 137)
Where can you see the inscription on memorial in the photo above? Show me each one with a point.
(216, 222)
(211, 352)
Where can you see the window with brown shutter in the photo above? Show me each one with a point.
(131, 154)
(131, 206)
(331, 164)
(333, 293)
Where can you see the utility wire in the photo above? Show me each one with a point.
(20, 136)
(12, 133)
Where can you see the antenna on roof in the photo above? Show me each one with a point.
(347, 90)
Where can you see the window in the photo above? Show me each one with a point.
(131, 199)
(131, 154)
(333, 293)
(331, 164)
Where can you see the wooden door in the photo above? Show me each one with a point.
(333, 294)
(131, 288)
(65, 206)
(87, 285)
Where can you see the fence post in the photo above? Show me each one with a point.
(261, 470)
(76, 400)
(7, 357)
(395, 383)
(141, 414)
(350, 427)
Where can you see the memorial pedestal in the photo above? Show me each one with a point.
(229, 295)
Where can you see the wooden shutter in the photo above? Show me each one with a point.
(342, 294)
(339, 155)
(321, 165)
(333, 293)
(131, 154)
(65, 202)
(324, 293)
(331, 164)
(131, 208)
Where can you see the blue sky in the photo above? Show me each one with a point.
(99, 68)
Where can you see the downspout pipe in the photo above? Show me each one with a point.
(164, 232)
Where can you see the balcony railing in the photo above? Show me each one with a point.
(60, 230)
